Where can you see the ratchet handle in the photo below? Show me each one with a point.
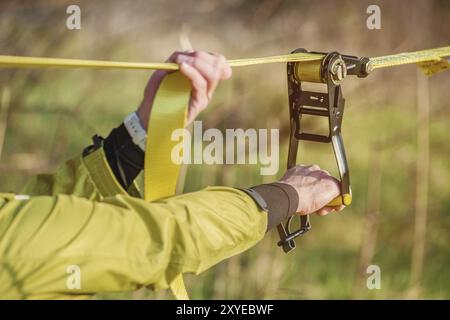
(344, 199)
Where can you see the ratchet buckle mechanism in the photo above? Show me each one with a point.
(331, 70)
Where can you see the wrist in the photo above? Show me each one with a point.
(281, 201)
(135, 129)
(145, 107)
(143, 117)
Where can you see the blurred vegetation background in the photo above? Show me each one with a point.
(396, 128)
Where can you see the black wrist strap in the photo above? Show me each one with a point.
(256, 197)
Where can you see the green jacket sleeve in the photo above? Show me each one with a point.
(87, 177)
(117, 242)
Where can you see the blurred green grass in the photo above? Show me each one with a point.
(54, 112)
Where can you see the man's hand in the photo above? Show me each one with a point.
(204, 71)
(315, 188)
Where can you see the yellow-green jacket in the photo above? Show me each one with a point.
(80, 220)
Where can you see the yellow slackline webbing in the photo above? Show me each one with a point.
(170, 108)
(18, 61)
(427, 57)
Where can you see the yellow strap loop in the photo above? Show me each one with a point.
(169, 112)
